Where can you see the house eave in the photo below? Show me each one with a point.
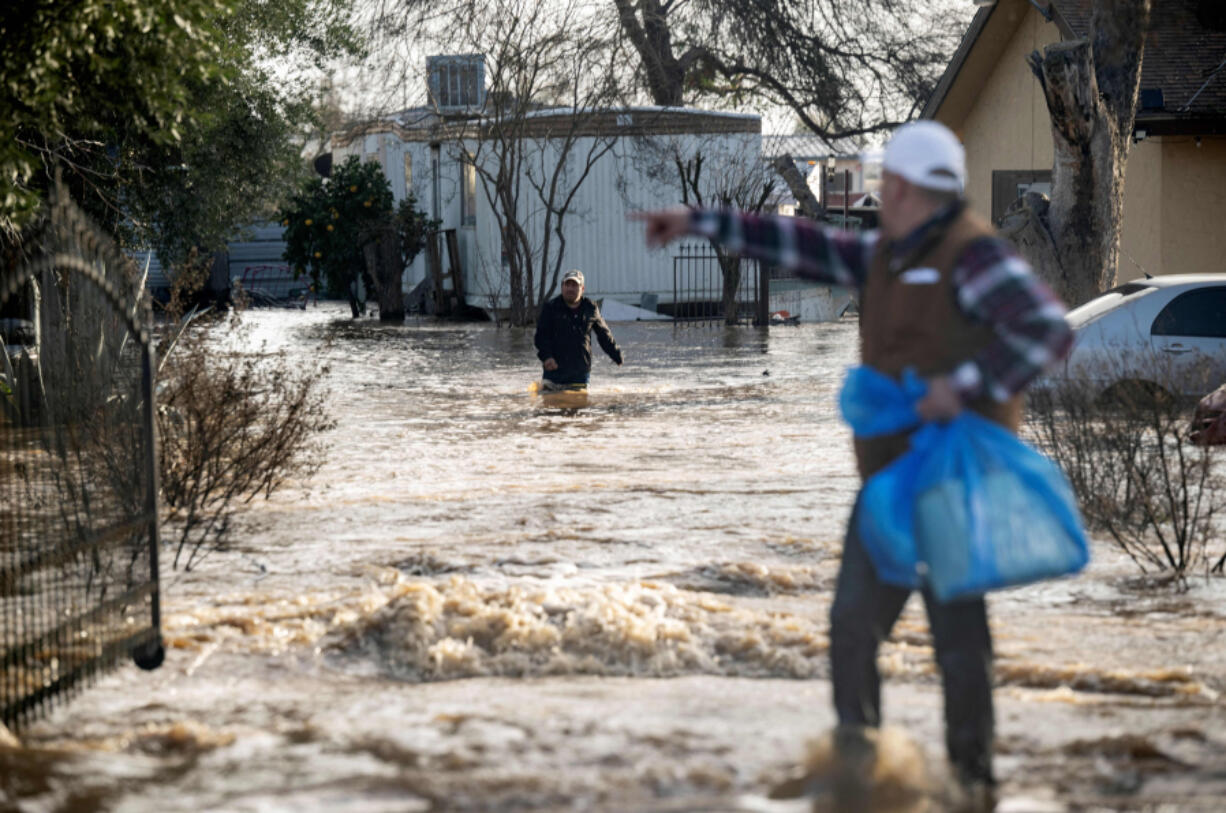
(997, 23)
(956, 63)
(1160, 123)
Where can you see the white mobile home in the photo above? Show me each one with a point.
(422, 152)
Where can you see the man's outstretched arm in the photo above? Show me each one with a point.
(797, 244)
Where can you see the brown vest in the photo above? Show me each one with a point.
(920, 325)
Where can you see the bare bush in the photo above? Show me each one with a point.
(232, 426)
(1137, 476)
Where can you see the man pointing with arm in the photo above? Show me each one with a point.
(940, 292)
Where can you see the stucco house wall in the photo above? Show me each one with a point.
(1007, 127)
(1175, 185)
(1193, 203)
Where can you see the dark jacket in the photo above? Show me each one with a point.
(564, 334)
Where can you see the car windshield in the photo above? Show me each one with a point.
(1100, 305)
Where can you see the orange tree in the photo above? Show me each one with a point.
(328, 222)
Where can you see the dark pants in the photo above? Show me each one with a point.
(863, 613)
(567, 378)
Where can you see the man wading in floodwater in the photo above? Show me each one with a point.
(942, 293)
(563, 337)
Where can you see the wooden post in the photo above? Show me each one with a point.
(435, 262)
(846, 194)
(764, 294)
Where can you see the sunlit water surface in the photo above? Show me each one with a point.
(487, 599)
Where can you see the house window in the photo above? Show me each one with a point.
(468, 194)
(408, 173)
(1010, 184)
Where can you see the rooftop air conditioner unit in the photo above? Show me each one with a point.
(456, 83)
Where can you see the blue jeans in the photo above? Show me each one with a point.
(863, 613)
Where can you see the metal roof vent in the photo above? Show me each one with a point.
(456, 83)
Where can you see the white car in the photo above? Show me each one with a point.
(1161, 336)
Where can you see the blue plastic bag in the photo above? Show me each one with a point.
(874, 404)
(969, 508)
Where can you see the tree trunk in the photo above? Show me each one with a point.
(730, 267)
(383, 265)
(519, 296)
(805, 199)
(664, 73)
(1073, 242)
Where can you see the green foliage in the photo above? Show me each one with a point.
(242, 160)
(413, 227)
(328, 222)
(234, 168)
(84, 69)
(296, 31)
(164, 115)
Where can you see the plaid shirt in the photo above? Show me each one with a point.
(994, 286)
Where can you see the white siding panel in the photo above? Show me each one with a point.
(156, 276)
(600, 240)
(265, 248)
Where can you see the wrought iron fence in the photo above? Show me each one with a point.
(699, 290)
(78, 483)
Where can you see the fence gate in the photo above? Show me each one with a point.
(78, 483)
(699, 293)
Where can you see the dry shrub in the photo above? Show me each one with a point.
(232, 426)
(1137, 476)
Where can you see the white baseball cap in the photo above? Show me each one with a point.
(927, 154)
(574, 274)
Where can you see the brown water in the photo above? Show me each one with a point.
(487, 600)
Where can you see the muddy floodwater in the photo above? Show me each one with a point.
(489, 601)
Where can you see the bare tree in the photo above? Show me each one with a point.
(743, 185)
(805, 199)
(231, 426)
(1136, 476)
(1073, 240)
(544, 126)
(845, 67)
(709, 171)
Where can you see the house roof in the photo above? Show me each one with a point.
(1184, 59)
(855, 200)
(422, 124)
(806, 146)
